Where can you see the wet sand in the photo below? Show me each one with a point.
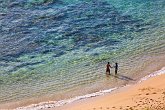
(147, 95)
(106, 102)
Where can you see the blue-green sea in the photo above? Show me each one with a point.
(59, 48)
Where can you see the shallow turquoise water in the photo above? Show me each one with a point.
(50, 47)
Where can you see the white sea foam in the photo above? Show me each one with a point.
(52, 104)
(156, 73)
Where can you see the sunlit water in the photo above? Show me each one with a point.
(50, 47)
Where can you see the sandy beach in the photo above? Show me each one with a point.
(54, 54)
(146, 95)
(149, 93)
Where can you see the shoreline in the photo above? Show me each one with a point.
(33, 103)
(60, 105)
(131, 97)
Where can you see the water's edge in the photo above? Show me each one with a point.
(53, 104)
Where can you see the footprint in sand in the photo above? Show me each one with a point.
(131, 108)
(159, 98)
(134, 106)
(147, 94)
(138, 104)
(107, 108)
(163, 93)
(101, 107)
(154, 93)
(113, 107)
(151, 100)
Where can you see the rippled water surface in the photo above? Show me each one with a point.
(49, 47)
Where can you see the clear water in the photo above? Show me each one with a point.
(49, 47)
(53, 104)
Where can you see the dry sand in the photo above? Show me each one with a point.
(150, 93)
(147, 95)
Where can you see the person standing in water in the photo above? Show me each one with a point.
(108, 66)
(116, 68)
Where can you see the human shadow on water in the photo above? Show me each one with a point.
(122, 77)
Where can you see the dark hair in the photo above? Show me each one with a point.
(108, 62)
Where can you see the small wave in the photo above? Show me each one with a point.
(156, 73)
(52, 104)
